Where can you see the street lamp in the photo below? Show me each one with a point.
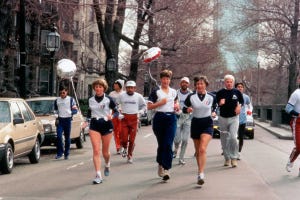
(52, 45)
(258, 79)
(146, 84)
(111, 64)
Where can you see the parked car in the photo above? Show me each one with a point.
(249, 129)
(146, 117)
(43, 107)
(21, 133)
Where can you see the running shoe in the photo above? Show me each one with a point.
(130, 160)
(124, 153)
(227, 163)
(106, 171)
(289, 166)
(166, 175)
(181, 162)
(97, 180)
(234, 163)
(200, 179)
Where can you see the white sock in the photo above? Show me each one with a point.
(201, 175)
(98, 173)
(107, 164)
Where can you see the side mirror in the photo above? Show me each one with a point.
(18, 121)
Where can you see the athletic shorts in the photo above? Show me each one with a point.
(200, 126)
(101, 126)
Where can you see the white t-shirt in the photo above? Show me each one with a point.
(131, 104)
(64, 107)
(158, 95)
(295, 100)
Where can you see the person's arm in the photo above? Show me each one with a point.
(152, 101)
(187, 107)
(289, 108)
(113, 106)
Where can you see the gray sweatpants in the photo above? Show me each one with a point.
(228, 135)
(182, 133)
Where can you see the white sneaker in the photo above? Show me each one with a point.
(181, 162)
(97, 180)
(130, 160)
(200, 179)
(289, 166)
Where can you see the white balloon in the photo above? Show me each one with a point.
(151, 54)
(66, 68)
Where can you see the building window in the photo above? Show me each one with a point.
(76, 29)
(91, 14)
(44, 82)
(75, 56)
(90, 67)
(99, 42)
(91, 39)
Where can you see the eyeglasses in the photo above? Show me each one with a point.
(62, 92)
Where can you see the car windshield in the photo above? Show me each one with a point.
(42, 107)
(5, 114)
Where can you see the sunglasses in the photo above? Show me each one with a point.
(62, 92)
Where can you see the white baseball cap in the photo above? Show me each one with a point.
(186, 79)
(130, 84)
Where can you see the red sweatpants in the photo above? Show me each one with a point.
(117, 132)
(295, 125)
(128, 133)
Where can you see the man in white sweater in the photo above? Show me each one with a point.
(132, 103)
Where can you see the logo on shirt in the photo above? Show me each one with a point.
(234, 97)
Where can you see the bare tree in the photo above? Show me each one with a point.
(277, 30)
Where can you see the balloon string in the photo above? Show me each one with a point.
(75, 94)
(149, 66)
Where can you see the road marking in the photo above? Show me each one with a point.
(76, 165)
(148, 135)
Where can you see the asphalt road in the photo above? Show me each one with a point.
(260, 174)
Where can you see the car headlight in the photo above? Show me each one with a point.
(47, 128)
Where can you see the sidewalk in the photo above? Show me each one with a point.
(280, 132)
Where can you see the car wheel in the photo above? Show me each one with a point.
(80, 140)
(35, 153)
(7, 162)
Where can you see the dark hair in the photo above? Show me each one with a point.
(239, 83)
(119, 84)
(63, 87)
(201, 78)
(165, 73)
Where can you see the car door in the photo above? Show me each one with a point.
(30, 125)
(20, 130)
(76, 124)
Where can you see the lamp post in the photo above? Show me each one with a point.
(258, 79)
(146, 84)
(52, 45)
(111, 68)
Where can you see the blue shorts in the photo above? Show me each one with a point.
(200, 126)
(101, 126)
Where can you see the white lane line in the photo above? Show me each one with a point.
(76, 165)
(148, 135)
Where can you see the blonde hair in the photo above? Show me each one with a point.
(100, 82)
(229, 76)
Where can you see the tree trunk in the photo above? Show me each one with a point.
(293, 51)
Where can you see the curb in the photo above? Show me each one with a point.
(283, 137)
